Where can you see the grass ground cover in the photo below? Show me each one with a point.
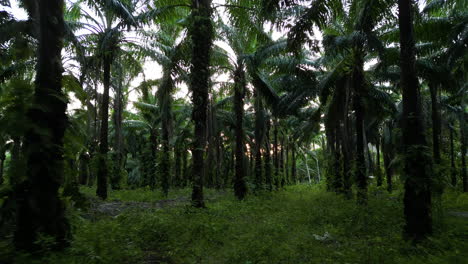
(302, 224)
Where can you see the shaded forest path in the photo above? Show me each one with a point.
(115, 207)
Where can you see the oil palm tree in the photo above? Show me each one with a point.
(201, 33)
(39, 208)
(417, 198)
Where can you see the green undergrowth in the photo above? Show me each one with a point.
(302, 224)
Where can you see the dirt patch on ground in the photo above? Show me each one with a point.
(114, 208)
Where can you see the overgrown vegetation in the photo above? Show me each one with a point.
(303, 224)
(339, 127)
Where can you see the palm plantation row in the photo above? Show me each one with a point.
(355, 88)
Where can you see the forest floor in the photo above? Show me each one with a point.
(302, 224)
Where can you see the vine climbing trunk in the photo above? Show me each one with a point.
(39, 209)
(417, 197)
(201, 33)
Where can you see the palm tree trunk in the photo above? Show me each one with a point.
(453, 169)
(240, 188)
(39, 208)
(345, 148)
(281, 162)
(361, 177)
(387, 151)
(165, 101)
(251, 162)
(102, 176)
(338, 177)
(277, 179)
(165, 165)
(259, 125)
(346, 164)
(84, 168)
(16, 170)
(258, 169)
(377, 158)
(118, 139)
(417, 197)
(435, 124)
(178, 178)
(201, 33)
(286, 162)
(463, 140)
(293, 163)
(2, 162)
(151, 174)
(184, 168)
(267, 163)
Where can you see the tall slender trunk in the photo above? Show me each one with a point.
(436, 131)
(201, 33)
(277, 179)
(219, 161)
(164, 96)
(118, 138)
(453, 169)
(267, 163)
(251, 162)
(84, 168)
(2, 162)
(259, 125)
(346, 164)
(103, 139)
(435, 124)
(184, 172)
(463, 140)
(165, 163)
(16, 171)
(306, 162)
(338, 177)
(240, 188)
(281, 162)
(151, 173)
(39, 208)
(345, 146)
(286, 162)
(293, 163)
(377, 165)
(330, 154)
(358, 84)
(417, 197)
(387, 150)
(258, 169)
(178, 178)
